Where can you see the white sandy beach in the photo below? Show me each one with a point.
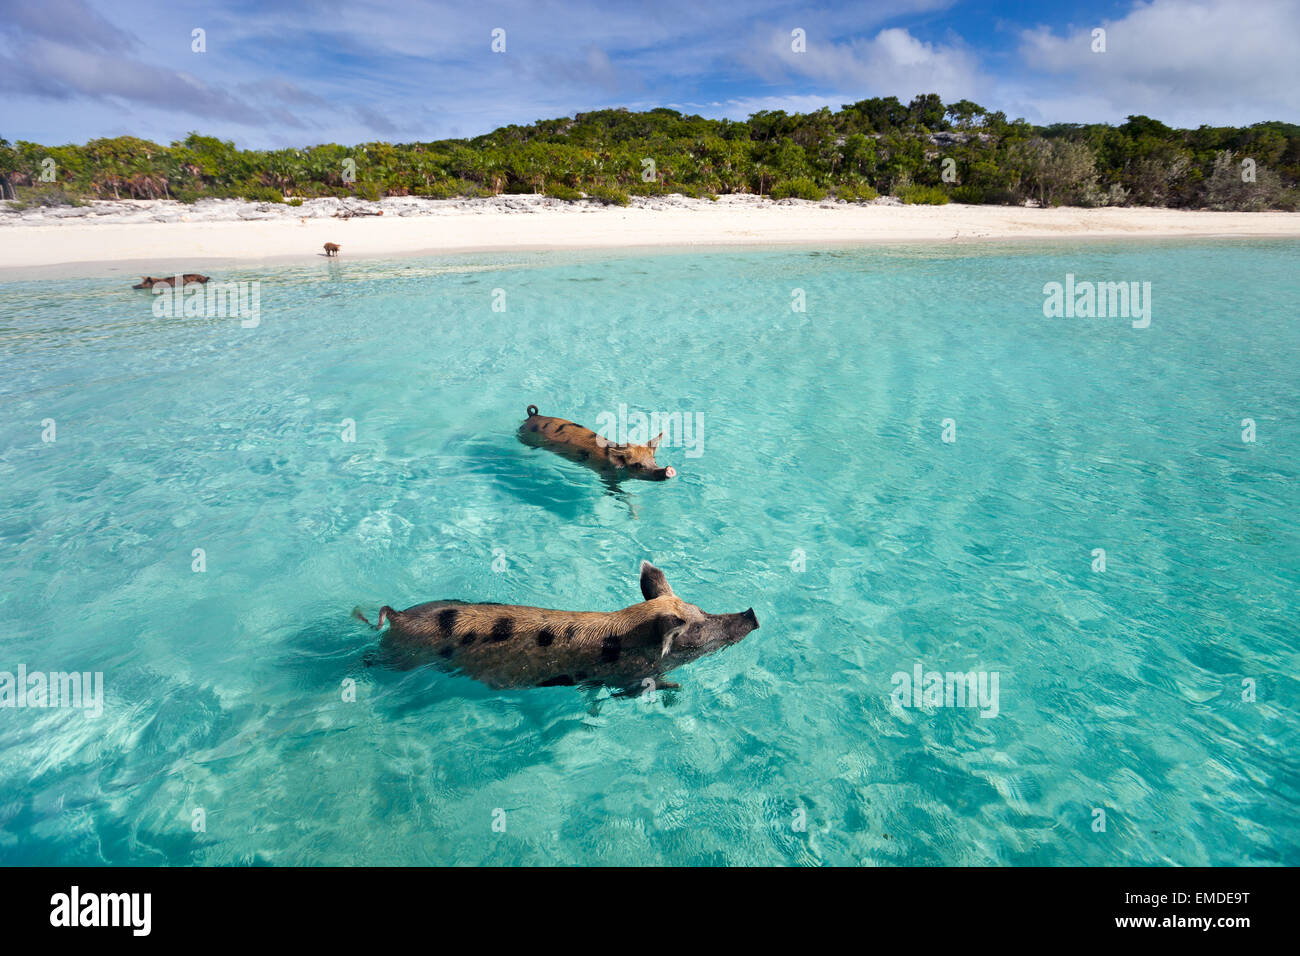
(161, 237)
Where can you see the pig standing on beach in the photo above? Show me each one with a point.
(588, 448)
(506, 645)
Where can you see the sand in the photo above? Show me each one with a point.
(161, 237)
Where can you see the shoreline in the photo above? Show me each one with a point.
(159, 237)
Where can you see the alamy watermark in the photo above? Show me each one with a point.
(678, 429)
(1098, 300)
(210, 300)
(129, 910)
(82, 690)
(922, 688)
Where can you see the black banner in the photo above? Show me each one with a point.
(335, 906)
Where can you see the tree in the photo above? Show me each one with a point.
(860, 155)
(926, 112)
(881, 115)
(965, 114)
(1229, 187)
(8, 167)
(1056, 170)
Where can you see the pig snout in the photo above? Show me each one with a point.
(738, 625)
(663, 474)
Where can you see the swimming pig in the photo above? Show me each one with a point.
(148, 282)
(586, 447)
(507, 645)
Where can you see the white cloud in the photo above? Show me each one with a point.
(891, 63)
(1185, 62)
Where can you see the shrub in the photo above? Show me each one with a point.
(1094, 195)
(694, 191)
(798, 188)
(1226, 189)
(560, 191)
(1054, 171)
(255, 193)
(45, 196)
(295, 201)
(970, 195)
(916, 195)
(451, 189)
(851, 193)
(608, 195)
(1001, 196)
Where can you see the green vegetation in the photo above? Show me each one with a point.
(801, 187)
(567, 193)
(851, 193)
(609, 195)
(924, 151)
(915, 195)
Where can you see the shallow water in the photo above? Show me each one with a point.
(1119, 691)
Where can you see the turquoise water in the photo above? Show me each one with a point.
(1120, 691)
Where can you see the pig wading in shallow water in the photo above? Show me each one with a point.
(148, 282)
(506, 645)
(588, 448)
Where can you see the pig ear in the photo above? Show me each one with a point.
(654, 442)
(653, 582)
(670, 626)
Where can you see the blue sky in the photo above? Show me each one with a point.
(349, 71)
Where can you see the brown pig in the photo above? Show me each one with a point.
(506, 645)
(332, 249)
(588, 448)
(148, 282)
